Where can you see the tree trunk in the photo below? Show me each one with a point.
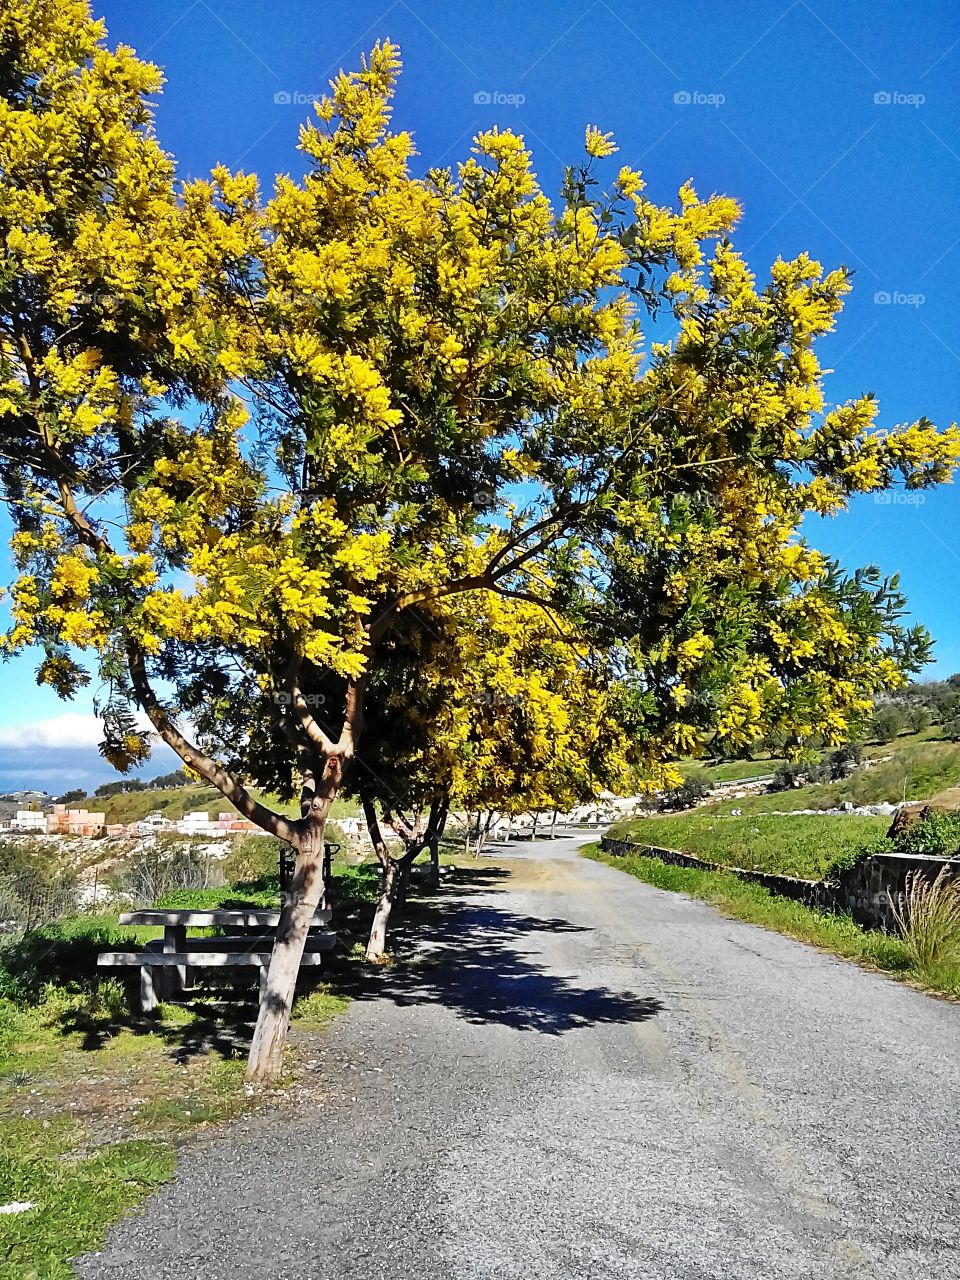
(303, 898)
(389, 879)
(377, 943)
(433, 875)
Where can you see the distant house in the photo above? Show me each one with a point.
(29, 820)
(75, 822)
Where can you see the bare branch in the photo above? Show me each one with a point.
(274, 823)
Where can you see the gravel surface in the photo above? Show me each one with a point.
(587, 1077)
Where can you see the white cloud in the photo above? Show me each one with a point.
(72, 729)
(69, 730)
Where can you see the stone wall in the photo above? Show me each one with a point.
(865, 891)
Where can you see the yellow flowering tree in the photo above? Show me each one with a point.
(255, 448)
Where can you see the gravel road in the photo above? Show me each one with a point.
(587, 1077)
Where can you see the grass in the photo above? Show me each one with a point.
(94, 1100)
(928, 915)
(92, 1107)
(919, 770)
(803, 845)
(754, 905)
(737, 770)
(73, 1191)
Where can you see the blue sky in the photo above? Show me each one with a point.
(835, 125)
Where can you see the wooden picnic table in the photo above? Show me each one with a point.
(177, 953)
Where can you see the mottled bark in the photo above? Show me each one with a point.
(303, 898)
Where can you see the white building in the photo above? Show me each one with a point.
(29, 820)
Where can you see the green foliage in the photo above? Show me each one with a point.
(936, 833)
(804, 845)
(887, 723)
(842, 762)
(72, 797)
(694, 788)
(251, 857)
(358, 883)
(798, 773)
(854, 855)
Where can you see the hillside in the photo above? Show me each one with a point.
(914, 767)
(174, 802)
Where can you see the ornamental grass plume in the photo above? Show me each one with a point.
(927, 914)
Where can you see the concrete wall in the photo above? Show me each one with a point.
(864, 892)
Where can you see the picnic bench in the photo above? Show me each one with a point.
(165, 963)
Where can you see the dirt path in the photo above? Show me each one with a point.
(586, 1077)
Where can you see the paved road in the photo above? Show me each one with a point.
(586, 1077)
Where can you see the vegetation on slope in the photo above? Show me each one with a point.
(802, 845)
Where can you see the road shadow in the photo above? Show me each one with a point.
(473, 958)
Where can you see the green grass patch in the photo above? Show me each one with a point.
(75, 1193)
(318, 1008)
(738, 770)
(802, 845)
(754, 905)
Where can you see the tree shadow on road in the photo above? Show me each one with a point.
(474, 958)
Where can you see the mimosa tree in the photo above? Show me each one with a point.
(246, 443)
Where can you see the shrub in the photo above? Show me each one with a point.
(694, 787)
(928, 917)
(936, 833)
(844, 760)
(251, 858)
(166, 865)
(798, 773)
(887, 723)
(851, 858)
(918, 718)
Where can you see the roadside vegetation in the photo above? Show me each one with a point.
(804, 845)
(894, 955)
(95, 1099)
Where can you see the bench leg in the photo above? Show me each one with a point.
(148, 995)
(263, 983)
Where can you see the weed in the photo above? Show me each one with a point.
(928, 917)
(319, 1007)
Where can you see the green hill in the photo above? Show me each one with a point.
(175, 802)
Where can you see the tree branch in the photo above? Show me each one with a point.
(215, 774)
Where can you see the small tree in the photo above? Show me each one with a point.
(887, 724)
